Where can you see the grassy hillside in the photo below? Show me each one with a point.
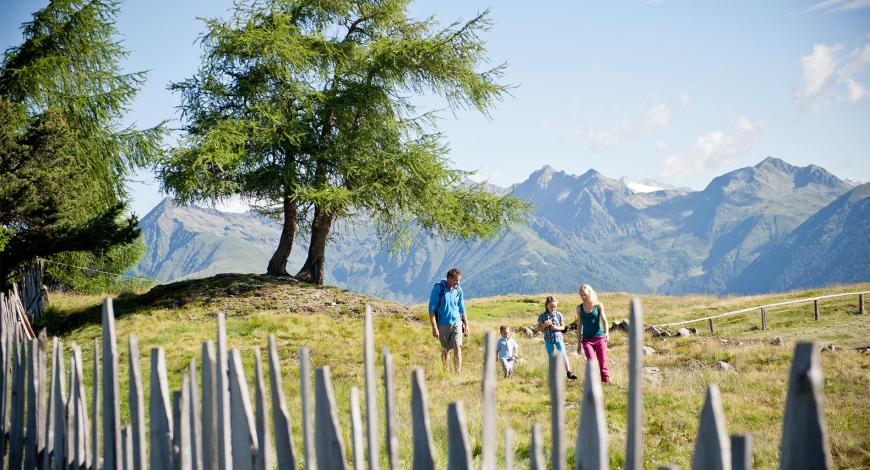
(179, 317)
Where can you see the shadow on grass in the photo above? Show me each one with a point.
(168, 296)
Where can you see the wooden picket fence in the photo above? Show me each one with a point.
(217, 424)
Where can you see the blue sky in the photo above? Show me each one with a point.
(677, 91)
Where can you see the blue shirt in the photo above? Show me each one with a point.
(552, 336)
(449, 307)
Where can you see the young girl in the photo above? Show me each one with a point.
(593, 329)
(552, 324)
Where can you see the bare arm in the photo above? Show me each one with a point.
(604, 321)
(434, 324)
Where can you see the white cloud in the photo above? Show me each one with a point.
(658, 115)
(662, 145)
(838, 6)
(713, 150)
(831, 76)
(686, 99)
(857, 92)
(612, 137)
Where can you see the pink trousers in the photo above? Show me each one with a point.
(597, 348)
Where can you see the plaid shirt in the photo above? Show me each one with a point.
(551, 336)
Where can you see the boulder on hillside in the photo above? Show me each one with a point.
(648, 351)
(684, 332)
(725, 367)
(653, 374)
(657, 332)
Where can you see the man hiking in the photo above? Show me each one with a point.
(447, 316)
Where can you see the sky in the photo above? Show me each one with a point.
(675, 91)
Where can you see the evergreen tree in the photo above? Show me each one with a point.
(65, 91)
(305, 104)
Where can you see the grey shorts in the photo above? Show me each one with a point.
(450, 336)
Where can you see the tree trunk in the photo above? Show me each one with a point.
(278, 263)
(312, 270)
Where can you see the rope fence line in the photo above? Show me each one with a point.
(83, 268)
(766, 306)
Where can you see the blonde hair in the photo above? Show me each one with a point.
(593, 296)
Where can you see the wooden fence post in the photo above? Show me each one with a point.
(590, 451)
(356, 430)
(557, 411)
(182, 426)
(160, 414)
(488, 456)
(712, 330)
(390, 410)
(244, 430)
(280, 418)
(423, 459)
(712, 444)
(763, 318)
(42, 415)
(80, 412)
(861, 304)
(816, 308)
(634, 436)
(96, 459)
(328, 440)
(224, 430)
(209, 406)
(69, 416)
(374, 448)
(536, 449)
(264, 462)
(308, 447)
(33, 405)
(137, 405)
(508, 449)
(19, 380)
(194, 418)
(804, 432)
(741, 452)
(111, 392)
(127, 437)
(58, 406)
(458, 448)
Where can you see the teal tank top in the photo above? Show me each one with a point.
(591, 323)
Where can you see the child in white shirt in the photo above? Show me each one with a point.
(507, 350)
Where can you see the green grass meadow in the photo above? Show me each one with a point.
(180, 317)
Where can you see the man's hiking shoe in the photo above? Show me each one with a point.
(572, 375)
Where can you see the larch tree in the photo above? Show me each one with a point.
(306, 104)
(65, 155)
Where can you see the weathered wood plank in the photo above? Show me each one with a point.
(80, 413)
(763, 318)
(804, 432)
(308, 447)
(712, 330)
(33, 404)
(127, 439)
(244, 429)
(160, 414)
(194, 419)
(184, 451)
(374, 448)
(327, 439)
(5, 377)
(19, 381)
(209, 406)
(286, 450)
(741, 452)
(816, 309)
(224, 438)
(458, 447)
(111, 392)
(861, 304)
(590, 451)
(634, 436)
(508, 449)
(422, 433)
(264, 462)
(558, 454)
(58, 407)
(95, 457)
(536, 449)
(176, 429)
(712, 444)
(42, 415)
(392, 438)
(487, 386)
(137, 404)
(356, 430)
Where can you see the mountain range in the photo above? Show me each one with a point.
(772, 226)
